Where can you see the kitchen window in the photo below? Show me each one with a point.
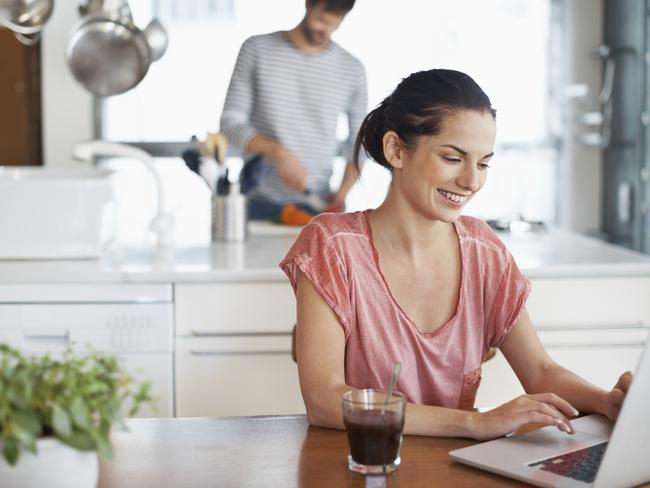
(504, 44)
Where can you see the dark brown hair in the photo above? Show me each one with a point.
(336, 6)
(417, 107)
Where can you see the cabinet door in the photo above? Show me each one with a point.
(234, 308)
(588, 301)
(236, 375)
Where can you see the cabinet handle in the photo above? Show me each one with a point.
(47, 334)
(239, 353)
(602, 326)
(207, 333)
(593, 345)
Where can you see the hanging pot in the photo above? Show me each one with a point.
(107, 53)
(25, 17)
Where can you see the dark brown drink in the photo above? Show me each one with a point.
(374, 438)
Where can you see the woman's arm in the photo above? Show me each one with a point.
(320, 345)
(538, 373)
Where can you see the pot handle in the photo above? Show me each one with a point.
(28, 39)
(156, 38)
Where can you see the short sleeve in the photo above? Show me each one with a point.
(508, 300)
(314, 255)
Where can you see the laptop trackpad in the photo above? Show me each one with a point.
(549, 441)
(594, 425)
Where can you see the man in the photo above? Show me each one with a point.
(285, 97)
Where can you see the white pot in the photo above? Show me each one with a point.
(55, 465)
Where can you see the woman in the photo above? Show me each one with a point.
(413, 281)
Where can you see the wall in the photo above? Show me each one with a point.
(67, 107)
(580, 196)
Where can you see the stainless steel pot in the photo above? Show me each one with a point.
(25, 17)
(107, 53)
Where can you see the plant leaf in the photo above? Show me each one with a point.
(61, 421)
(10, 451)
(26, 438)
(80, 440)
(28, 421)
(103, 445)
(79, 412)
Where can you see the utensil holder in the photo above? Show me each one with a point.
(229, 218)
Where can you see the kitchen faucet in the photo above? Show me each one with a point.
(163, 223)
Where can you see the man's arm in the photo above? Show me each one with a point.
(357, 110)
(290, 171)
(235, 117)
(236, 126)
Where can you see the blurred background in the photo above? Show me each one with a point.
(568, 79)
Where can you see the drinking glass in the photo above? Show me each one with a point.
(374, 437)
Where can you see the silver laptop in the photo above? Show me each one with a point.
(599, 454)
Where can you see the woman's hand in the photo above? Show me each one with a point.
(541, 408)
(614, 398)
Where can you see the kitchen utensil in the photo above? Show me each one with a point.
(195, 163)
(397, 367)
(229, 217)
(192, 160)
(250, 173)
(209, 171)
(26, 18)
(315, 201)
(223, 184)
(107, 53)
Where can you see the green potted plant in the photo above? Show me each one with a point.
(57, 414)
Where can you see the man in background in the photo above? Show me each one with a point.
(285, 97)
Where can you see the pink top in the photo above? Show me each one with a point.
(336, 252)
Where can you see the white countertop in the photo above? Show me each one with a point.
(539, 255)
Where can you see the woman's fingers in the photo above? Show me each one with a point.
(554, 413)
(560, 403)
(549, 405)
(541, 418)
(536, 417)
(624, 382)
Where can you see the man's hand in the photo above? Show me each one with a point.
(290, 171)
(335, 203)
(614, 398)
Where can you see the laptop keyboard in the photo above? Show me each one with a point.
(581, 465)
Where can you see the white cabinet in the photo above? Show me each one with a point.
(233, 349)
(241, 375)
(596, 327)
(132, 322)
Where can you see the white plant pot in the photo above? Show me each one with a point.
(55, 465)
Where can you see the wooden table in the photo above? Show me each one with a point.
(269, 452)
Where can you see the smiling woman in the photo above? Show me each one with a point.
(436, 175)
(414, 282)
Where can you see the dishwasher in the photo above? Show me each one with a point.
(130, 321)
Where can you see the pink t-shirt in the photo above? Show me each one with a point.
(336, 252)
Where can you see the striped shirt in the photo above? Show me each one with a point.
(295, 98)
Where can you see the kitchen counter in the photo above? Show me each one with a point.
(552, 254)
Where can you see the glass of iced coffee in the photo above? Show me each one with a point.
(374, 427)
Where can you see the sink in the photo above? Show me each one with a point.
(54, 213)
